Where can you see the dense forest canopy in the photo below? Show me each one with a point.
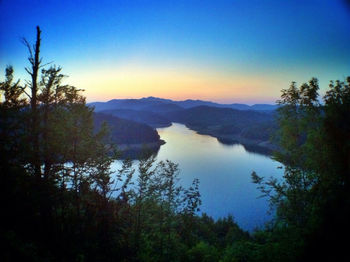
(63, 202)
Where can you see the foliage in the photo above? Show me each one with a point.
(63, 200)
(313, 198)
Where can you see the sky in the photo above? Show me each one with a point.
(234, 51)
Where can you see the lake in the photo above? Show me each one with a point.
(224, 172)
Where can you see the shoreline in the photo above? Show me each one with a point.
(135, 151)
(251, 145)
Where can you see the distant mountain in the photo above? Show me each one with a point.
(161, 105)
(213, 116)
(148, 104)
(141, 116)
(194, 103)
(163, 108)
(156, 99)
(263, 107)
(230, 123)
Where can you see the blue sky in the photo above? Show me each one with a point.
(227, 51)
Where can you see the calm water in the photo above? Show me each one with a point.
(224, 172)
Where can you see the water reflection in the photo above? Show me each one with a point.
(224, 173)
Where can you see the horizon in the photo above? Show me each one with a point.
(175, 130)
(180, 100)
(225, 52)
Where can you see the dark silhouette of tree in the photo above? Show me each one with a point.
(35, 62)
(64, 201)
(312, 200)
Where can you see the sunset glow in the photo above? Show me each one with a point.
(227, 51)
(137, 82)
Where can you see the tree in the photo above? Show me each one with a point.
(35, 62)
(55, 157)
(63, 200)
(313, 197)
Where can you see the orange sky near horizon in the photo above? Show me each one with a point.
(177, 84)
(223, 51)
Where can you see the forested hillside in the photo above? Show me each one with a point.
(251, 128)
(64, 202)
(124, 131)
(147, 117)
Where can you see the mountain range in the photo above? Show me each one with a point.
(251, 126)
(159, 104)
